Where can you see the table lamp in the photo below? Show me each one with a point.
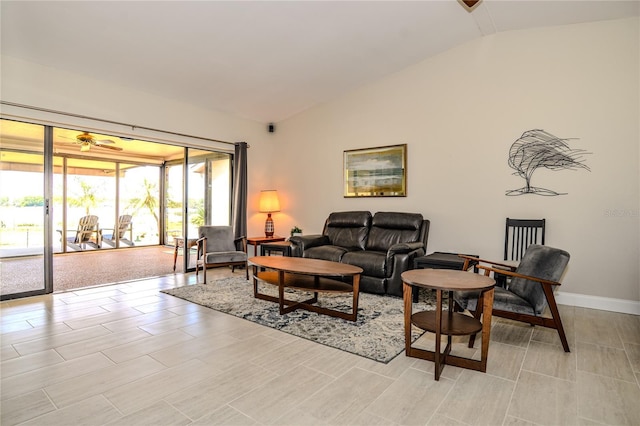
(269, 203)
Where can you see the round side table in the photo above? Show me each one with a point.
(450, 323)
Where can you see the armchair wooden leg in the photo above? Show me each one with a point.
(476, 314)
(555, 314)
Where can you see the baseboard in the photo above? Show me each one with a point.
(596, 302)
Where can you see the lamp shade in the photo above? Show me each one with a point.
(269, 201)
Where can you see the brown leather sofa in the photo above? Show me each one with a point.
(383, 245)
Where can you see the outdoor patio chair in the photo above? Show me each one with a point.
(218, 247)
(87, 234)
(123, 225)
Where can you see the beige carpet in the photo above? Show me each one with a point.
(85, 269)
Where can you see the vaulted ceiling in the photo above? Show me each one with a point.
(263, 60)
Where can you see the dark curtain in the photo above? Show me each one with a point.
(239, 206)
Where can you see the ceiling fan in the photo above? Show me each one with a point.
(86, 141)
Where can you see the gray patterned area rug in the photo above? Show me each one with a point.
(378, 334)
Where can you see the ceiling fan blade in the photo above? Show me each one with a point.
(104, 141)
(115, 148)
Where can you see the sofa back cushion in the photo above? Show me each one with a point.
(389, 228)
(348, 229)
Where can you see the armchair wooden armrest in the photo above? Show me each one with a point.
(506, 266)
(513, 274)
(201, 244)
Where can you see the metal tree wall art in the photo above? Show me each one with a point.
(537, 149)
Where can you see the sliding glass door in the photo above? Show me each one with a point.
(83, 191)
(174, 194)
(69, 194)
(201, 196)
(22, 210)
(139, 191)
(208, 185)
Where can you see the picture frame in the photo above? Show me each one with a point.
(376, 172)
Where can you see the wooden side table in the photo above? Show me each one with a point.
(179, 243)
(442, 260)
(256, 241)
(450, 323)
(282, 247)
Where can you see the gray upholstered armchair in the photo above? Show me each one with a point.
(529, 292)
(218, 247)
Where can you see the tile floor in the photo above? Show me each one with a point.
(126, 354)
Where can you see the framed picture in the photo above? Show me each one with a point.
(376, 172)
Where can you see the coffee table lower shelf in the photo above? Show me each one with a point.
(309, 283)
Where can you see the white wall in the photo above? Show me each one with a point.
(459, 113)
(31, 84)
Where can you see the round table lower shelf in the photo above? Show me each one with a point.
(459, 325)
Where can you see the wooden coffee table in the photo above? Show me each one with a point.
(449, 323)
(311, 275)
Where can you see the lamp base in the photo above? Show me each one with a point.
(268, 227)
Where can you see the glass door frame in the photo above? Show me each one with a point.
(47, 252)
(207, 196)
(48, 217)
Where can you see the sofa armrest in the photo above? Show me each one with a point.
(300, 243)
(401, 261)
(402, 248)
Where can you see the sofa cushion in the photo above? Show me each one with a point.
(226, 257)
(332, 253)
(373, 263)
(348, 229)
(389, 228)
